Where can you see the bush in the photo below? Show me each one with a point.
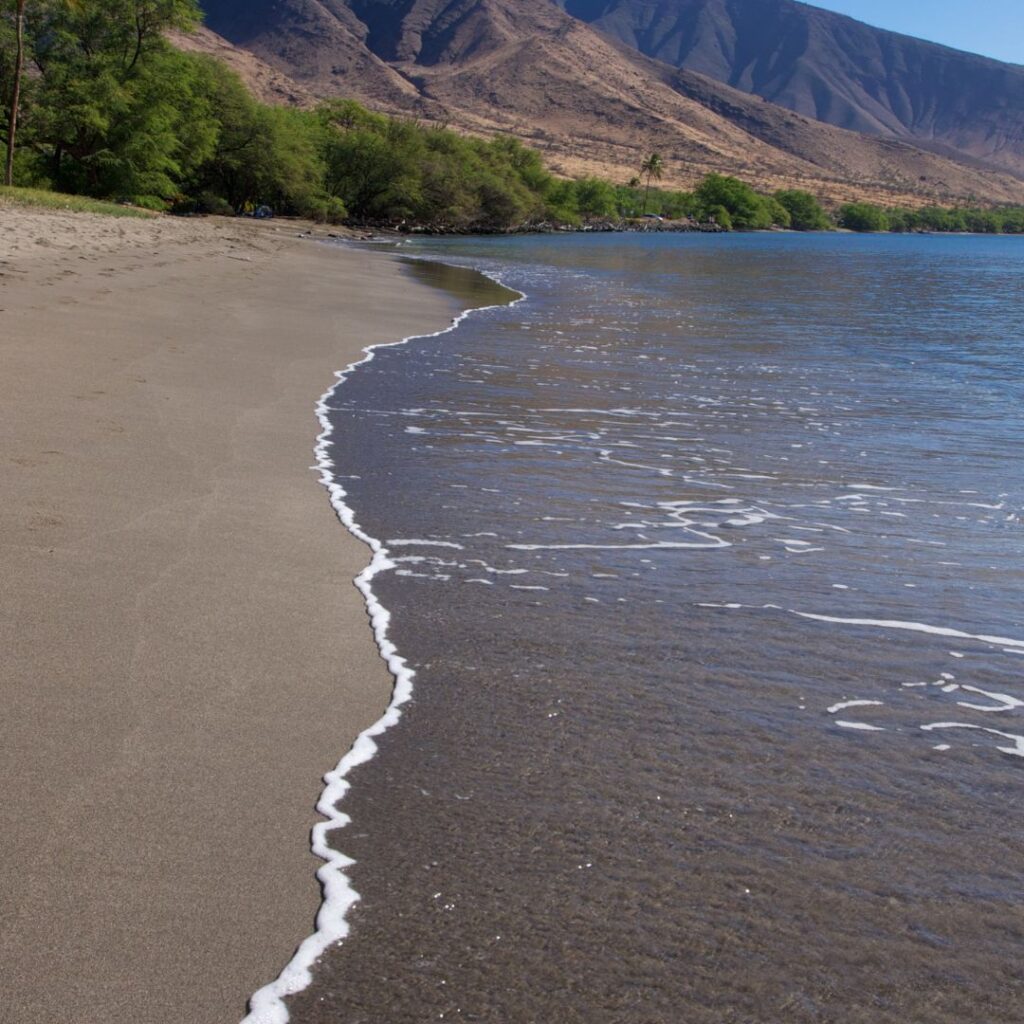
(595, 198)
(719, 215)
(805, 212)
(154, 203)
(863, 217)
(1012, 220)
(326, 210)
(779, 214)
(747, 209)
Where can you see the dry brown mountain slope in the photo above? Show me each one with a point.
(320, 44)
(266, 83)
(832, 68)
(590, 103)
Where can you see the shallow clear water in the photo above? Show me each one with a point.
(709, 562)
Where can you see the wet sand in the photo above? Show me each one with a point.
(184, 652)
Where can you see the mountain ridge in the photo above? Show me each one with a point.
(833, 68)
(590, 102)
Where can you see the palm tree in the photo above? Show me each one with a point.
(652, 167)
(19, 67)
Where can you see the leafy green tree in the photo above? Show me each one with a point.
(934, 218)
(720, 216)
(863, 217)
(983, 222)
(562, 205)
(595, 198)
(677, 205)
(348, 114)
(1012, 220)
(747, 209)
(901, 221)
(778, 212)
(235, 169)
(629, 199)
(394, 172)
(526, 163)
(115, 110)
(366, 171)
(805, 212)
(499, 205)
(260, 155)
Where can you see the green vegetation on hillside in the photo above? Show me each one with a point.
(109, 110)
(867, 217)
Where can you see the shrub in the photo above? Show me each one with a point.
(747, 209)
(719, 215)
(863, 217)
(805, 212)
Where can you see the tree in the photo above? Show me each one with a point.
(676, 205)
(595, 198)
(561, 202)
(779, 214)
(719, 215)
(863, 217)
(652, 167)
(1012, 220)
(262, 155)
(985, 222)
(805, 212)
(747, 209)
(19, 70)
(116, 112)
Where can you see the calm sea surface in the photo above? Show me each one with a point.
(710, 564)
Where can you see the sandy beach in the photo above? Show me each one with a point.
(184, 652)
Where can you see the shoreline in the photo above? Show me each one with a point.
(267, 1005)
(178, 615)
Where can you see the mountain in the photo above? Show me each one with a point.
(832, 68)
(589, 101)
(266, 83)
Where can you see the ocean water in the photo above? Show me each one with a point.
(707, 557)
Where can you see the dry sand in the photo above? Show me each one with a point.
(184, 653)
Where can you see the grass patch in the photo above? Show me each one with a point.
(42, 199)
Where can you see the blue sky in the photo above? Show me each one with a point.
(992, 27)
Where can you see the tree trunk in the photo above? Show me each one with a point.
(19, 67)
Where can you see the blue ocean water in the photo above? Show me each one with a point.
(709, 559)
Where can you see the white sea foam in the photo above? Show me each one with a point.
(414, 542)
(1009, 644)
(1003, 701)
(266, 1005)
(914, 627)
(843, 705)
(617, 547)
(1017, 750)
